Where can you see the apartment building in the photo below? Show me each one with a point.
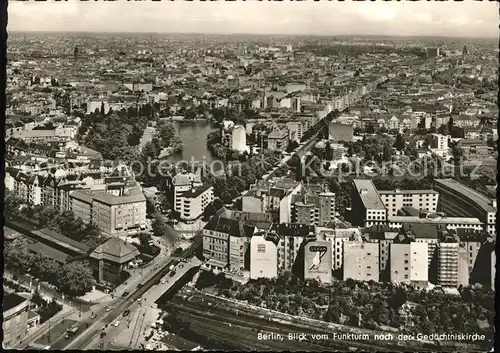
(234, 136)
(225, 242)
(112, 214)
(277, 195)
(408, 263)
(264, 255)
(394, 200)
(385, 237)
(277, 140)
(459, 200)
(438, 142)
(315, 209)
(192, 203)
(368, 208)
(15, 307)
(295, 130)
(292, 237)
(452, 268)
(361, 260)
(190, 195)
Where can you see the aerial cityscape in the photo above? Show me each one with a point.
(206, 180)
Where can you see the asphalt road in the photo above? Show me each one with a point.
(107, 318)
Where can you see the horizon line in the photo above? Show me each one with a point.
(252, 34)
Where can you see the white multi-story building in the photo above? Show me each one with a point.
(361, 260)
(409, 264)
(234, 136)
(264, 255)
(191, 196)
(394, 200)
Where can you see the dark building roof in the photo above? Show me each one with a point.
(422, 230)
(293, 230)
(229, 226)
(409, 211)
(43, 249)
(59, 239)
(115, 250)
(11, 300)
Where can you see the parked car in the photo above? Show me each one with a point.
(93, 316)
(125, 294)
(102, 334)
(117, 323)
(108, 308)
(126, 313)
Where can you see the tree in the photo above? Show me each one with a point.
(400, 143)
(328, 152)
(451, 123)
(370, 129)
(292, 145)
(158, 228)
(75, 279)
(458, 154)
(387, 153)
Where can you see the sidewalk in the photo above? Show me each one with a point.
(40, 330)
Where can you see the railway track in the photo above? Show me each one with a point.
(218, 315)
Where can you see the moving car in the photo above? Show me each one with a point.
(108, 309)
(72, 331)
(125, 294)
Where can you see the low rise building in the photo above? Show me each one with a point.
(110, 259)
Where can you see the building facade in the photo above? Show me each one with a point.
(394, 200)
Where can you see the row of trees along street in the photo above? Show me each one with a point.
(73, 279)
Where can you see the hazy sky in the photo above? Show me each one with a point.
(469, 18)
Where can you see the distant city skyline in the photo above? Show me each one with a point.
(447, 19)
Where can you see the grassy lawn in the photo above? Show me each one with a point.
(55, 332)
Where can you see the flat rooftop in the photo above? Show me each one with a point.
(368, 194)
(479, 199)
(399, 192)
